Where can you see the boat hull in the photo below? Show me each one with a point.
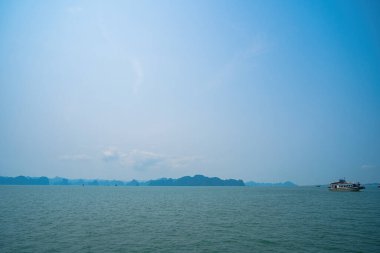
(344, 189)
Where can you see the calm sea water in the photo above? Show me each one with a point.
(187, 219)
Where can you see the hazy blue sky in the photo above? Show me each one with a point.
(257, 90)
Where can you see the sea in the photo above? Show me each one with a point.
(188, 219)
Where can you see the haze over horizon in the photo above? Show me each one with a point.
(267, 91)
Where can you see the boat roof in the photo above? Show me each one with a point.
(345, 182)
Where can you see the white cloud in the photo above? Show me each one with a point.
(111, 154)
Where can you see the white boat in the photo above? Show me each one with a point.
(343, 185)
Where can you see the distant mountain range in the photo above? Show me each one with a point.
(21, 180)
(197, 180)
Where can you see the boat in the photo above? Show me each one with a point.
(343, 185)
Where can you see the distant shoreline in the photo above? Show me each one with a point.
(197, 180)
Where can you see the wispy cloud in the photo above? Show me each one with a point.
(369, 167)
(74, 9)
(255, 48)
(139, 75)
(78, 157)
(141, 160)
(183, 161)
(117, 46)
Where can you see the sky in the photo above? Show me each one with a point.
(267, 91)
